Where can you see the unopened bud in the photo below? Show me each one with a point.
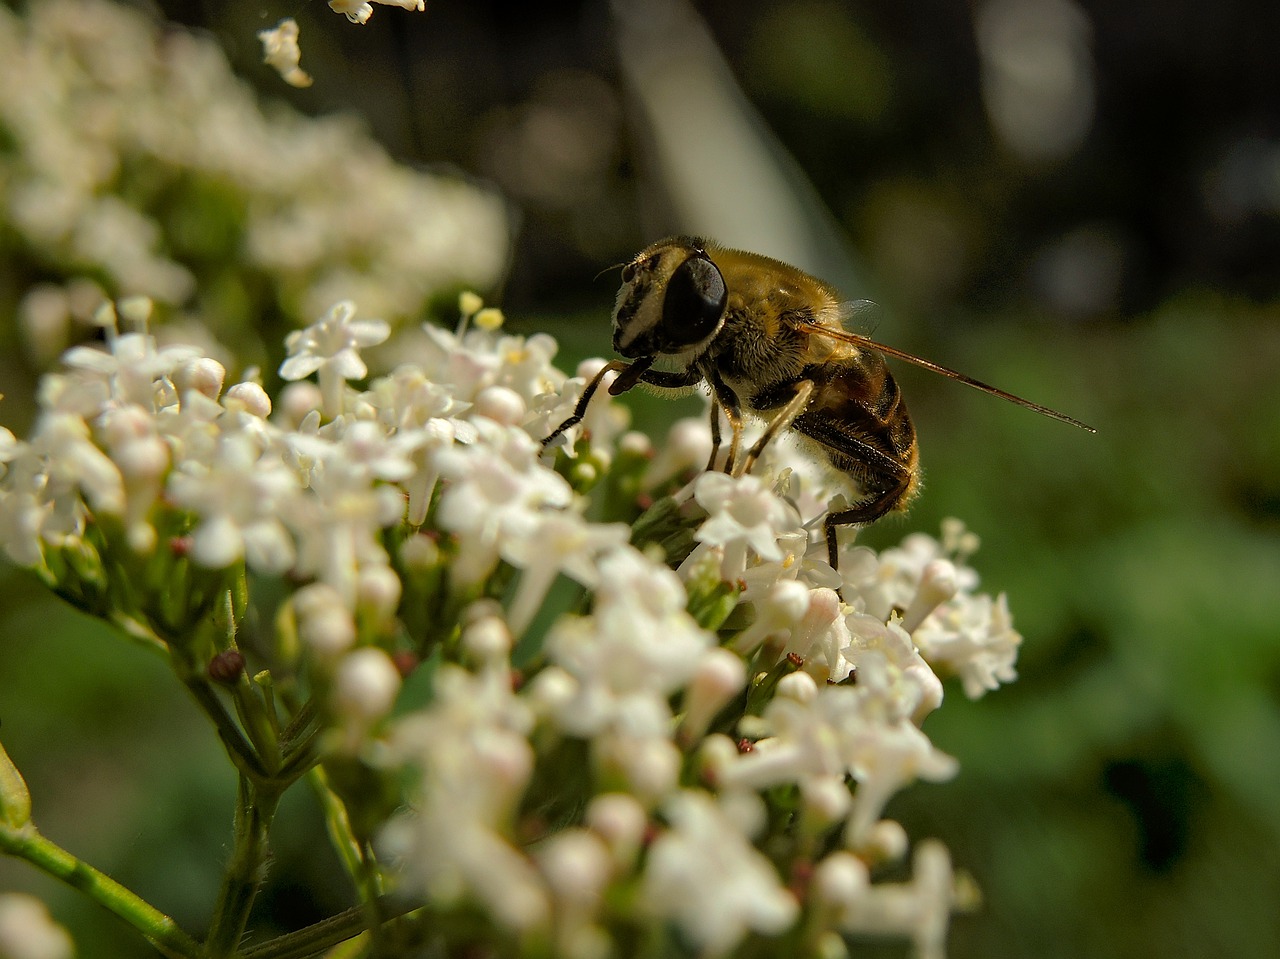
(226, 667)
(15, 799)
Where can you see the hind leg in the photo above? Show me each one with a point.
(868, 511)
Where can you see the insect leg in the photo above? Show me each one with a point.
(715, 435)
(867, 511)
(728, 401)
(784, 419)
(580, 410)
(637, 372)
(889, 482)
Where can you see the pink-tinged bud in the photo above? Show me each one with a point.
(720, 676)
(226, 667)
(938, 584)
(248, 398)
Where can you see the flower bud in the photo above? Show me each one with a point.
(204, 375)
(365, 684)
(249, 398)
(15, 799)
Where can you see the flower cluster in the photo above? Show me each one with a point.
(137, 163)
(652, 700)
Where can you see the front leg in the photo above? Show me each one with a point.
(722, 395)
(782, 421)
(632, 373)
(580, 410)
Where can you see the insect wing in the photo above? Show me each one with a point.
(865, 342)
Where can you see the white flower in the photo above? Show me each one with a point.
(919, 910)
(703, 875)
(325, 623)
(637, 647)
(239, 496)
(720, 676)
(281, 52)
(338, 528)
(891, 674)
(73, 467)
(620, 820)
(972, 637)
(777, 613)
(687, 447)
(837, 731)
(27, 931)
(331, 346)
(359, 12)
(143, 459)
(492, 481)
(604, 420)
(744, 517)
(891, 580)
(472, 749)
(355, 10)
(133, 368)
(547, 544)
(577, 866)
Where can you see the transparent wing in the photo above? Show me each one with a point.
(865, 342)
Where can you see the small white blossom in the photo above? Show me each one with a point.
(919, 910)
(744, 518)
(281, 52)
(636, 648)
(703, 875)
(687, 447)
(355, 10)
(359, 12)
(547, 544)
(325, 624)
(239, 496)
(489, 483)
(838, 731)
(620, 820)
(719, 677)
(577, 866)
(331, 347)
(972, 637)
(471, 747)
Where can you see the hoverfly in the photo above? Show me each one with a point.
(767, 339)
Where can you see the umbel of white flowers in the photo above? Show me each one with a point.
(702, 742)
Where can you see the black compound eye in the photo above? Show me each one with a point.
(694, 301)
(628, 273)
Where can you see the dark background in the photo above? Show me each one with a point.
(1123, 797)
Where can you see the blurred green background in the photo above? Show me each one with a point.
(1078, 201)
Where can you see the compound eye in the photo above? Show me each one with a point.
(694, 301)
(628, 273)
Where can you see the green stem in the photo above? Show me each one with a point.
(339, 825)
(245, 870)
(251, 707)
(238, 747)
(326, 933)
(26, 843)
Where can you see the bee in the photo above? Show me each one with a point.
(767, 339)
